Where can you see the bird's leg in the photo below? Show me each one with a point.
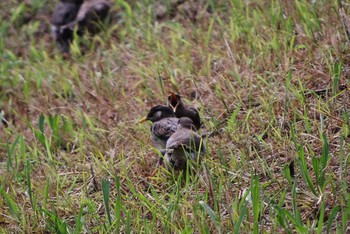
(161, 158)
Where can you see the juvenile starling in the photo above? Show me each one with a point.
(183, 145)
(181, 110)
(164, 125)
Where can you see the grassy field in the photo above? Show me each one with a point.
(272, 80)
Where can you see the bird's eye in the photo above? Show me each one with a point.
(158, 114)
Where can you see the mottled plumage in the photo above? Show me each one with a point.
(183, 145)
(164, 125)
(181, 110)
(162, 130)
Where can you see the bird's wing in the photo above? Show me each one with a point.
(195, 117)
(164, 128)
(184, 138)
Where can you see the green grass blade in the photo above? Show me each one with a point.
(337, 67)
(106, 193)
(297, 215)
(331, 217)
(212, 215)
(324, 160)
(305, 171)
(41, 123)
(29, 185)
(11, 152)
(320, 223)
(242, 212)
(15, 211)
(255, 191)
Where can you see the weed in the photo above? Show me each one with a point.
(271, 84)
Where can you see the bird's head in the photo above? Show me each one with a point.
(157, 113)
(174, 100)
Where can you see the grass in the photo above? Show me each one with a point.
(273, 84)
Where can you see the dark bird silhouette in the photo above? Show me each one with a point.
(62, 21)
(183, 145)
(84, 15)
(181, 110)
(164, 125)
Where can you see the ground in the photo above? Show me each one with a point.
(269, 78)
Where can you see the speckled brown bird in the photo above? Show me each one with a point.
(183, 145)
(164, 124)
(181, 110)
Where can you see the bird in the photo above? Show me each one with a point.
(164, 124)
(91, 12)
(181, 110)
(183, 145)
(80, 14)
(62, 21)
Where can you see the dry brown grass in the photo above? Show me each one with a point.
(264, 73)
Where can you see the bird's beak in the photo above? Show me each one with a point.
(175, 107)
(144, 119)
(173, 101)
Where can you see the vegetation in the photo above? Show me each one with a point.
(272, 79)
